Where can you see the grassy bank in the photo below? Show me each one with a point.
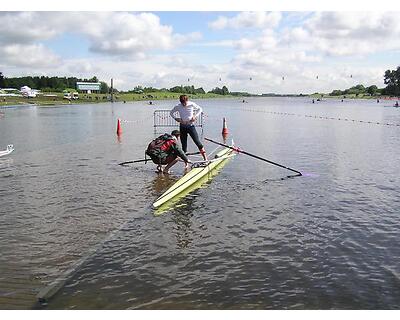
(51, 99)
(58, 98)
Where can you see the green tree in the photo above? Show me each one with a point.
(372, 90)
(218, 90)
(94, 79)
(392, 81)
(176, 89)
(138, 89)
(336, 93)
(2, 80)
(104, 87)
(225, 90)
(199, 90)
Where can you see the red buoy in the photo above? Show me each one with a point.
(224, 128)
(119, 128)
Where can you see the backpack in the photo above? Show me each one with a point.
(159, 148)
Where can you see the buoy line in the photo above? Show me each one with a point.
(318, 117)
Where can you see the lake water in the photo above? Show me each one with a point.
(251, 238)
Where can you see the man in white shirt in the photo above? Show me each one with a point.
(188, 113)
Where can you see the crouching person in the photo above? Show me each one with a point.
(165, 150)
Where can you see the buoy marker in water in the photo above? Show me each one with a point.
(119, 128)
(224, 128)
(224, 131)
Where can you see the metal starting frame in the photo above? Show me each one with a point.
(162, 118)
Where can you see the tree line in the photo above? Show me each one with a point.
(391, 78)
(357, 90)
(180, 89)
(58, 84)
(48, 84)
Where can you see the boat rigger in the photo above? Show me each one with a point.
(10, 148)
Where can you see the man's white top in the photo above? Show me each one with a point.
(186, 113)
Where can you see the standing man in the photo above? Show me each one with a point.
(188, 113)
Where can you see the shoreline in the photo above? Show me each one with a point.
(101, 98)
(44, 101)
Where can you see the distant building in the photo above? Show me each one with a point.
(88, 87)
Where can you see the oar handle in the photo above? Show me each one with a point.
(254, 156)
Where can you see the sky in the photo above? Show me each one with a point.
(253, 51)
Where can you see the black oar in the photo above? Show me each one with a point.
(134, 161)
(254, 156)
(145, 160)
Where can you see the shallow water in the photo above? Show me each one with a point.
(251, 238)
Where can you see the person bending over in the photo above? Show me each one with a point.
(165, 150)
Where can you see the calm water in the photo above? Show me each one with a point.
(251, 239)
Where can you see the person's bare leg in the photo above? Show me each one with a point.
(204, 154)
(169, 165)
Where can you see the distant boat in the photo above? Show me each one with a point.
(28, 92)
(10, 148)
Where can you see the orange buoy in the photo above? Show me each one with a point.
(119, 128)
(224, 128)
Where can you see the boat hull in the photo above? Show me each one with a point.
(194, 175)
(10, 148)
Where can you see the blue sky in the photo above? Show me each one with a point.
(282, 52)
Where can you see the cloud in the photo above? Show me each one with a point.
(129, 35)
(109, 33)
(28, 27)
(306, 54)
(352, 33)
(256, 19)
(31, 56)
(120, 33)
(81, 68)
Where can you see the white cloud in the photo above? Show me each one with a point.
(353, 33)
(109, 33)
(127, 34)
(256, 19)
(81, 68)
(117, 33)
(31, 56)
(27, 27)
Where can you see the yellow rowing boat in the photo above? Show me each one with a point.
(199, 170)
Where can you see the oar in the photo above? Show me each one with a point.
(134, 161)
(145, 160)
(254, 156)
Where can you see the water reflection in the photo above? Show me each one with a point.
(183, 225)
(6, 163)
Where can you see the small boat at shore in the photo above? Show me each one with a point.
(10, 148)
(198, 171)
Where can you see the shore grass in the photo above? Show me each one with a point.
(49, 99)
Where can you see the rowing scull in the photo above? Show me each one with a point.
(199, 170)
(10, 148)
